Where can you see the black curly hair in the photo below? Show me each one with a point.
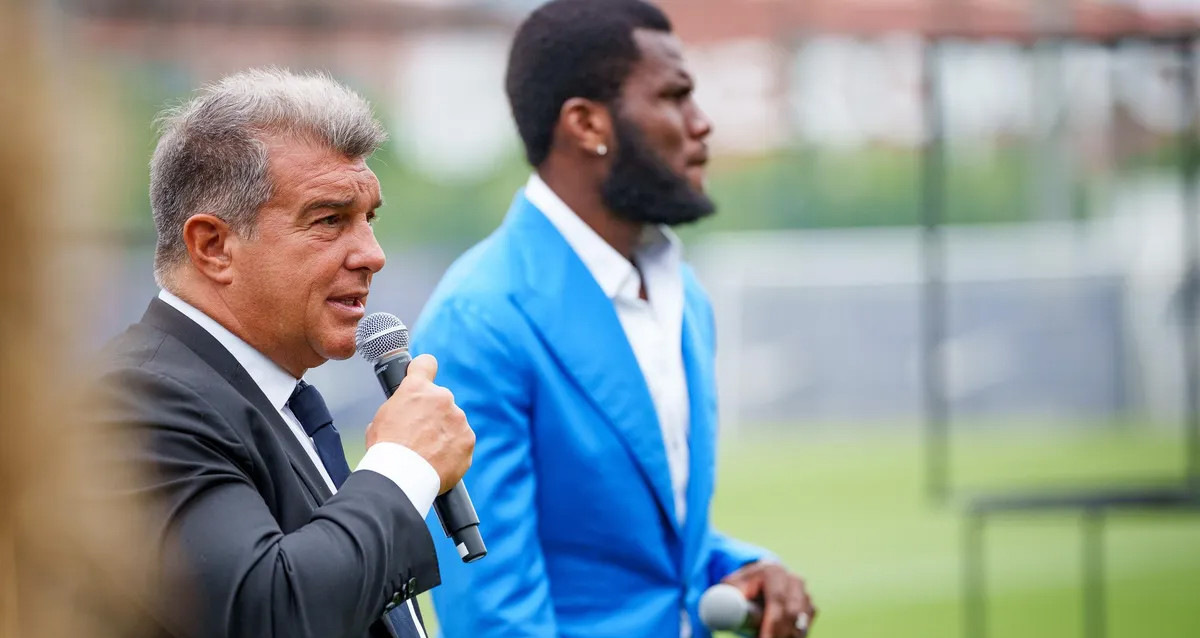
(572, 48)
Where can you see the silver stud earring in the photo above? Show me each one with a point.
(602, 150)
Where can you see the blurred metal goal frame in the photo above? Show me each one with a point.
(1092, 505)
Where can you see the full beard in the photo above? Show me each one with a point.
(642, 188)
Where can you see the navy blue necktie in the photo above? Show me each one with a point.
(308, 406)
(312, 413)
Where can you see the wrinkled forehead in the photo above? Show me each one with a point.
(302, 168)
(290, 154)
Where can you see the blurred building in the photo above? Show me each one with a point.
(773, 73)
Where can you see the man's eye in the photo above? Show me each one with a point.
(371, 217)
(330, 221)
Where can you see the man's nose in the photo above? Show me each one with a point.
(698, 123)
(366, 252)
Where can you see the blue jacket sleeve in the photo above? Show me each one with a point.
(727, 554)
(506, 593)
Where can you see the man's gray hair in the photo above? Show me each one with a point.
(212, 156)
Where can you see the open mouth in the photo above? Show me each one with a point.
(351, 302)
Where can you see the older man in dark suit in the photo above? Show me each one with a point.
(263, 205)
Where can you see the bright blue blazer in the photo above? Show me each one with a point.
(570, 474)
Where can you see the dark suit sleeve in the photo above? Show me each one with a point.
(230, 571)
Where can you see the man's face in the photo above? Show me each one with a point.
(300, 284)
(658, 170)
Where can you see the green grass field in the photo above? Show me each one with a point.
(849, 513)
(881, 560)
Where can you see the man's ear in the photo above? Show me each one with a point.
(586, 125)
(210, 243)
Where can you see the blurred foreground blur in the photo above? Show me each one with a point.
(69, 565)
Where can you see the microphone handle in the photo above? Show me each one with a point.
(753, 623)
(454, 509)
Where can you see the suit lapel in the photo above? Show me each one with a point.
(162, 316)
(579, 325)
(697, 364)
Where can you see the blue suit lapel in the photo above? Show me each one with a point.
(697, 361)
(579, 325)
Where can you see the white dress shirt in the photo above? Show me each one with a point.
(404, 467)
(653, 327)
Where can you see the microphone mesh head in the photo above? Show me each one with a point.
(379, 334)
(723, 608)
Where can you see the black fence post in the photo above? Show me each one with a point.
(974, 609)
(1094, 609)
(1191, 257)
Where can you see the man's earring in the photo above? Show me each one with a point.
(602, 150)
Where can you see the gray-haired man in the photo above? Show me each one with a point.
(263, 205)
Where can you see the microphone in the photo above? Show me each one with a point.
(382, 339)
(724, 608)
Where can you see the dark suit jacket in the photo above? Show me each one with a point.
(250, 541)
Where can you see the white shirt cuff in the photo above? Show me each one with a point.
(407, 469)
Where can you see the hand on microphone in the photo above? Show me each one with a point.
(787, 609)
(423, 417)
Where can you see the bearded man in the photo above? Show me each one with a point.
(580, 346)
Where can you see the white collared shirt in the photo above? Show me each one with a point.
(653, 327)
(404, 467)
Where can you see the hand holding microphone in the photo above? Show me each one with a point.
(422, 416)
(724, 608)
(762, 600)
